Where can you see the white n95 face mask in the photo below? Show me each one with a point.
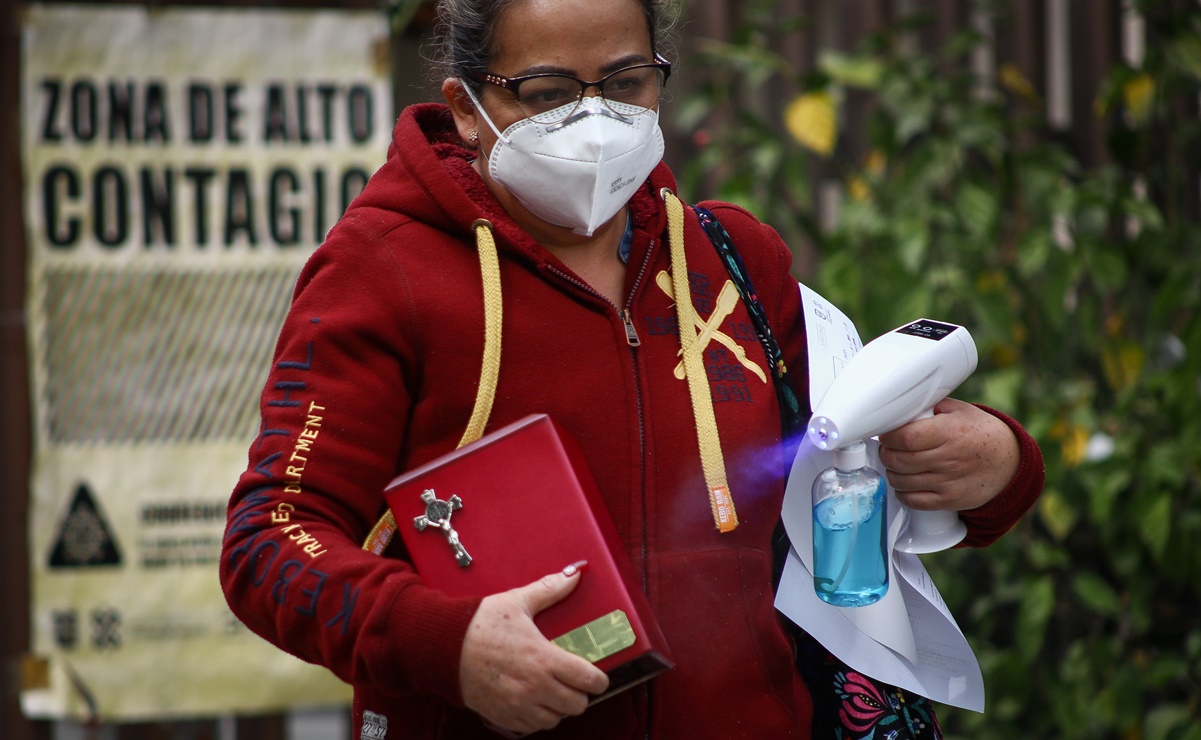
(579, 172)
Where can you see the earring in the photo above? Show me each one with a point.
(474, 136)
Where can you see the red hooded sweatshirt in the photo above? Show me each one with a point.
(375, 372)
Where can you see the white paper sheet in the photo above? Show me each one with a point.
(833, 341)
(909, 638)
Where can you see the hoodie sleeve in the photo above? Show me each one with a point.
(986, 524)
(334, 410)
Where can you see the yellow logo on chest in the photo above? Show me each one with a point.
(727, 301)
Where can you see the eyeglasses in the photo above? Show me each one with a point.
(551, 98)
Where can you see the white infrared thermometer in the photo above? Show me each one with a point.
(897, 378)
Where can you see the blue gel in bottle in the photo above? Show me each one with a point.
(850, 556)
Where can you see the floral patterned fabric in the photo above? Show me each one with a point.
(851, 706)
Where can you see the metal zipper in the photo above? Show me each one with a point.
(646, 260)
(631, 333)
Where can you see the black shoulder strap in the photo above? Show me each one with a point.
(790, 411)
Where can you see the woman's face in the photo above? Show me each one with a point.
(586, 39)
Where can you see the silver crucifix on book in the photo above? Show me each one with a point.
(437, 514)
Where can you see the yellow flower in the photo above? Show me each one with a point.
(1139, 93)
(1114, 324)
(1074, 444)
(1057, 514)
(875, 162)
(1122, 364)
(812, 121)
(1012, 79)
(990, 281)
(1004, 355)
(858, 189)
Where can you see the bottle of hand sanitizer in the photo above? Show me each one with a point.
(850, 556)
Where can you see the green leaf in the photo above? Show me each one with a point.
(1108, 268)
(1156, 524)
(853, 71)
(1037, 604)
(1165, 669)
(690, 112)
(1185, 52)
(1057, 514)
(1033, 252)
(977, 209)
(1046, 556)
(1147, 215)
(1192, 645)
(912, 243)
(1172, 722)
(1097, 594)
(913, 120)
(1169, 458)
(1103, 493)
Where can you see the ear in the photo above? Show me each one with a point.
(467, 121)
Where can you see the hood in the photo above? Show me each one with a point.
(428, 177)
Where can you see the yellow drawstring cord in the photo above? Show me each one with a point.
(381, 534)
(712, 461)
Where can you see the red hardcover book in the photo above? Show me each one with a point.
(513, 506)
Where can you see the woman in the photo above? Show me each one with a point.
(377, 368)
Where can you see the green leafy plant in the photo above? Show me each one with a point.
(1082, 289)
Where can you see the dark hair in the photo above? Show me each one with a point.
(463, 38)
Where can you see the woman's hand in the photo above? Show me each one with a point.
(960, 458)
(511, 674)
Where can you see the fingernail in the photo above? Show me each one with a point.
(574, 568)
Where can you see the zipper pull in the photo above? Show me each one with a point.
(631, 335)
